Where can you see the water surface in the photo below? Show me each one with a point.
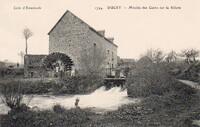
(100, 101)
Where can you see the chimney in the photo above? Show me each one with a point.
(111, 39)
(102, 32)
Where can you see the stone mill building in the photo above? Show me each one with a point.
(71, 36)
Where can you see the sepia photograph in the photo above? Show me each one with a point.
(92, 63)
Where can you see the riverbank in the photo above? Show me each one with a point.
(151, 112)
(177, 108)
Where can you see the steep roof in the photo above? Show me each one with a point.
(126, 60)
(84, 23)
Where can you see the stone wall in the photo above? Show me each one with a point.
(71, 35)
(33, 66)
(68, 36)
(109, 48)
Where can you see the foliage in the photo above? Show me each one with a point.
(93, 60)
(2, 64)
(177, 108)
(37, 87)
(166, 102)
(11, 93)
(58, 108)
(154, 55)
(191, 72)
(47, 118)
(2, 72)
(27, 33)
(81, 84)
(148, 78)
(68, 85)
(190, 55)
(171, 57)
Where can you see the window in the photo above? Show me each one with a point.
(108, 51)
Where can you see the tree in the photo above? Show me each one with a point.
(21, 54)
(27, 33)
(150, 75)
(190, 55)
(155, 55)
(93, 60)
(171, 56)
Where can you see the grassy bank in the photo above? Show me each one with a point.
(67, 85)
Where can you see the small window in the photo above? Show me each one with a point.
(108, 51)
(94, 44)
(112, 65)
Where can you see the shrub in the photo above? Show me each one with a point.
(190, 72)
(81, 84)
(11, 93)
(58, 108)
(72, 117)
(11, 72)
(38, 87)
(176, 108)
(148, 79)
(1, 72)
(69, 85)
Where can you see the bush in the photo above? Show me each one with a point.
(191, 72)
(81, 84)
(69, 85)
(58, 108)
(72, 117)
(177, 108)
(11, 72)
(11, 93)
(37, 87)
(1, 72)
(149, 79)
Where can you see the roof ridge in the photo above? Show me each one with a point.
(84, 23)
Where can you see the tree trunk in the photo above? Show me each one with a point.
(26, 47)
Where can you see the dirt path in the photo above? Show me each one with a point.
(191, 83)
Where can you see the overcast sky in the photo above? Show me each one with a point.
(134, 30)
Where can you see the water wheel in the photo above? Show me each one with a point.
(51, 61)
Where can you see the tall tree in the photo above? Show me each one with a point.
(27, 33)
(150, 75)
(93, 60)
(190, 55)
(171, 56)
(155, 55)
(21, 54)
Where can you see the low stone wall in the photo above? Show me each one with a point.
(33, 66)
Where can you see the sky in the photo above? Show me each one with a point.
(134, 30)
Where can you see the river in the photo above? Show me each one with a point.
(100, 101)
